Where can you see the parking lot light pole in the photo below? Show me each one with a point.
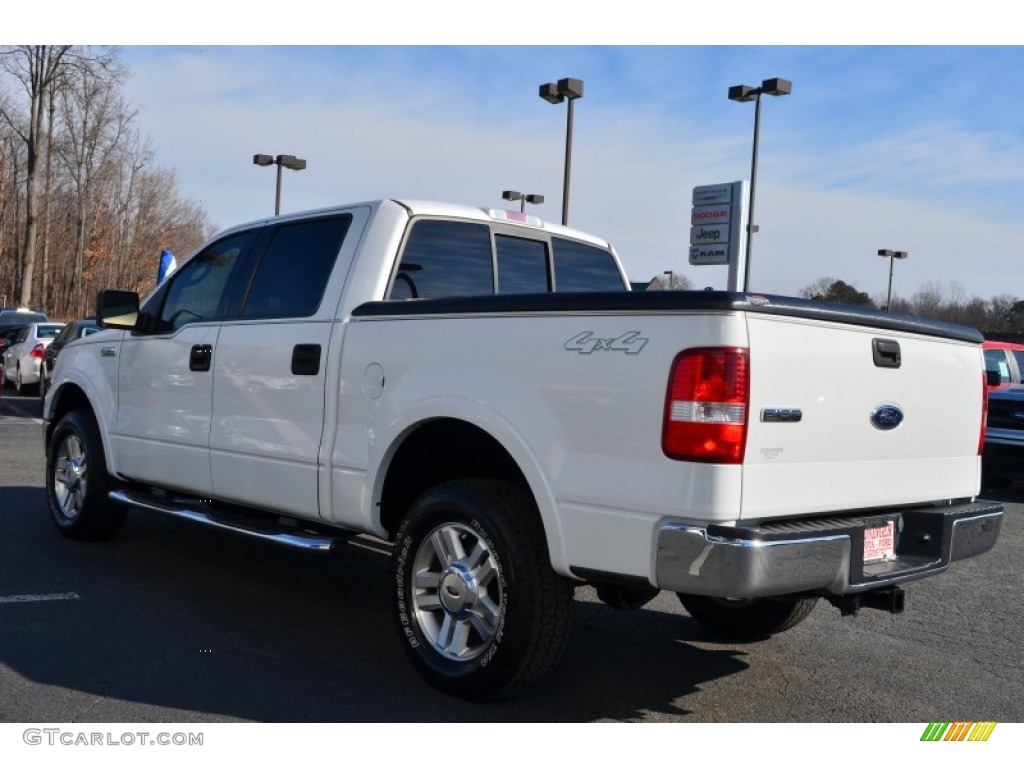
(523, 198)
(776, 86)
(891, 256)
(568, 88)
(281, 161)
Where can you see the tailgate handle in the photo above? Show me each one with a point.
(886, 353)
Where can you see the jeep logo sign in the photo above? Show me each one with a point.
(701, 235)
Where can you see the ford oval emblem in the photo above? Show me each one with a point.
(887, 416)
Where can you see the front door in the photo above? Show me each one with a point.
(161, 434)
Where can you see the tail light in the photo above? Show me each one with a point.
(706, 406)
(37, 352)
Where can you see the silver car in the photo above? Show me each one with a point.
(21, 360)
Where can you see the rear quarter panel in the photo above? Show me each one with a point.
(584, 426)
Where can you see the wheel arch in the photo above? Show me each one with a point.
(71, 397)
(437, 450)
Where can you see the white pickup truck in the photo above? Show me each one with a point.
(481, 389)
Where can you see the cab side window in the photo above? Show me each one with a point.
(444, 259)
(197, 289)
(292, 274)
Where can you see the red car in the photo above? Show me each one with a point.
(1006, 359)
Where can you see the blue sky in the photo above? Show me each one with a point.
(913, 147)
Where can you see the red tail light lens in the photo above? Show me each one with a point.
(37, 352)
(706, 406)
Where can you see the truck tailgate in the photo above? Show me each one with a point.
(849, 417)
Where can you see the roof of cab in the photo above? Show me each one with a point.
(436, 208)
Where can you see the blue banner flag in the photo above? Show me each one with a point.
(167, 266)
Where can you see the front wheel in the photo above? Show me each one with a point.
(77, 481)
(748, 619)
(479, 609)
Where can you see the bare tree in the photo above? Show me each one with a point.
(819, 287)
(98, 209)
(836, 291)
(929, 300)
(37, 68)
(94, 119)
(673, 281)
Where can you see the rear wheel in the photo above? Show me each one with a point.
(20, 386)
(748, 619)
(479, 609)
(77, 481)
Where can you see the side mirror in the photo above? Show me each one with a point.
(992, 378)
(117, 309)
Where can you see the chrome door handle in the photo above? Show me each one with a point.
(108, 351)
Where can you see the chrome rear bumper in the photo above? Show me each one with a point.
(820, 555)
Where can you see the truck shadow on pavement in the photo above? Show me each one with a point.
(177, 623)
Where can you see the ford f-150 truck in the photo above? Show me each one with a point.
(481, 389)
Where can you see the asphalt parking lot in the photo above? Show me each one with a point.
(172, 623)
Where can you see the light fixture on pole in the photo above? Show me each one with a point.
(523, 198)
(568, 88)
(281, 161)
(776, 86)
(891, 256)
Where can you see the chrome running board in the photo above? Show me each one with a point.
(289, 537)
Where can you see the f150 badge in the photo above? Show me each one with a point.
(585, 343)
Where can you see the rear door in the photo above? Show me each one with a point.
(272, 367)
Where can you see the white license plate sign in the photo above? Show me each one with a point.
(879, 543)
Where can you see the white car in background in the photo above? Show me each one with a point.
(21, 360)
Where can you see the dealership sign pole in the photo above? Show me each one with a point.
(718, 229)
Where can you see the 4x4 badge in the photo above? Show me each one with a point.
(630, 342)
